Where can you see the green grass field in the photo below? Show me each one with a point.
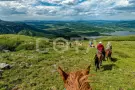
(33, 70)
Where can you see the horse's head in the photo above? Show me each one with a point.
(76, 80)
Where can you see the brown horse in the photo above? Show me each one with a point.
(99, 57)
(108, 54)
(76, 80)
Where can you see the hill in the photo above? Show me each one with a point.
(33, 70)
(7, 27)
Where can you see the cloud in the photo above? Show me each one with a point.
(9, 8)
(46, 10)
(74, 9)
(122, 3)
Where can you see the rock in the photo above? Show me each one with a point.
(6, 51)
(4, 66)
(1, 48)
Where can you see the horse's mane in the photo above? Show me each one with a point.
(77, 80)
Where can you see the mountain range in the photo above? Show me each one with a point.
(64, 29)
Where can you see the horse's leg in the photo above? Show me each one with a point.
(101, 63)
(96, 62)
(110, 57)
(104, 55)
(101, 58)
(97, 65)
(107, 55)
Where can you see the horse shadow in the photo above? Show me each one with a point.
(114, 59)
(108, 67)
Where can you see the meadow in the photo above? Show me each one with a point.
(34, 70)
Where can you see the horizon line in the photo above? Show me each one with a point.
(65, 20)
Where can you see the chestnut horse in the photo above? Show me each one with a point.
(108, 54)
(76, 80)
(99, 57)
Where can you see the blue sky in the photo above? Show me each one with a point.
(67, 10)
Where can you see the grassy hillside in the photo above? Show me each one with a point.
(33, 70)
(19, 42)
(119, 38)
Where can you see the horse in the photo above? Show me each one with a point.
(76, 80)
(108, 54)
(92, 45)
(99, 57)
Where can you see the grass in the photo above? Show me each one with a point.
(119, 38)
(37, 71)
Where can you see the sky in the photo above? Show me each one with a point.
(17, 10)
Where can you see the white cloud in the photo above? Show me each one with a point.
(63, 8)
(122, 3)
(47, 10)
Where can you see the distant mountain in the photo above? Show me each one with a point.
(7, 27)
(127, 24)
(116, 25)
(99, 25)
(66, 29)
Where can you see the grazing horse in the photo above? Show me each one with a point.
(99, 57)
(108, 54)
(76, 80)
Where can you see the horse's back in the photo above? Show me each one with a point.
(99, 54)
(108, 52)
